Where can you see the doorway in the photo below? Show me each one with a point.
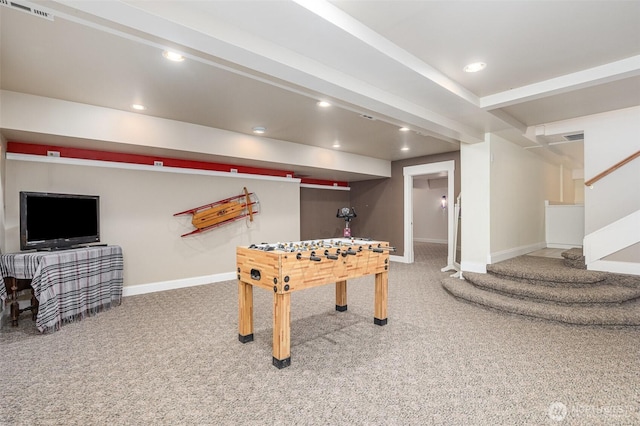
(443, 168)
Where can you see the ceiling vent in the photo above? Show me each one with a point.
(27, 7)
(574, 137)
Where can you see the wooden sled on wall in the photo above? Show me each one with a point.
(222, 212)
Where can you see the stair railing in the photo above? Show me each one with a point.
(613, 237)
(612, 168)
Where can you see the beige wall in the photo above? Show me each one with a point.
(137, 208)
(505, 187)
(578, 191)
(368, 198)
(380, 202)
(520, 183)
(568, 187)
(429, 218)
(318, 208)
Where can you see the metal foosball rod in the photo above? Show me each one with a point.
(312, 257)
(349, 251)
(380, 249)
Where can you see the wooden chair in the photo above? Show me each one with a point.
(13, 286)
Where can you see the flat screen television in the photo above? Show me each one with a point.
(58, 221)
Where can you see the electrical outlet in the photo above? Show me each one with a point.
(158, 163)
(234, 170)
(53, 153)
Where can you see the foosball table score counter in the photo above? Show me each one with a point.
(287, 267)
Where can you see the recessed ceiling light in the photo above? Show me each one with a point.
(404, 148)
(173, 56)
(404, 129)
(138, 107)
(323, 104)
(475, 67)
(259, 130)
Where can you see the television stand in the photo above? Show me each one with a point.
(68, 284)
(13, 286)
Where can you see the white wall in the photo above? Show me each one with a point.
(608, 138)
(122, 129)
(429, 218)
(136, 212)
(475, 205)
(564, 224)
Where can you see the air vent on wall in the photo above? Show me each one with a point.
(27, 7)
(574, 137)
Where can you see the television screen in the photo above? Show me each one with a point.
(53, 221)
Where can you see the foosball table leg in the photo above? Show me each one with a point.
(341, 296)
(381, 294)
(282, 329)
(245, 312)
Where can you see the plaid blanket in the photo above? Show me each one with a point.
(68, 284)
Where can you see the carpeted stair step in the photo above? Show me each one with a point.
(602, 292)
(625, 314)
(545, 271)
(574, 258)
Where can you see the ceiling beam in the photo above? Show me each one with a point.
(357, 29)
(172, 22)
(625, 68)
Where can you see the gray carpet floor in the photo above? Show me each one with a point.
(173, 358)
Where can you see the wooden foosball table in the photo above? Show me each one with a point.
(287, 267)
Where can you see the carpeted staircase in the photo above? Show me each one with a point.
(553, 289)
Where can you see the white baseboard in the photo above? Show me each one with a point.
(514, 252)
(480, 268)
(395, 258)
(629, 268)
(563, 246)
(430, 240)
(134, 290)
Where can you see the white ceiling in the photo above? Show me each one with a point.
(266, 63)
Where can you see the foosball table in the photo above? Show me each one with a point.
(287, 267)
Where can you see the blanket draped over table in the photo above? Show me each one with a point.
(68, 284)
